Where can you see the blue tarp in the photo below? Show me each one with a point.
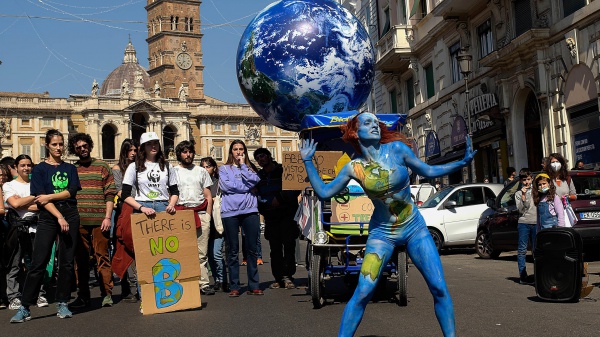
(393, 121)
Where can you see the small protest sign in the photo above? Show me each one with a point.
(167, 263)
(294, 171)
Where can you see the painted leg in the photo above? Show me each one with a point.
(425, 257)
(377, 255)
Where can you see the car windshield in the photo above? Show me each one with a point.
(587, 185)
(435, 199)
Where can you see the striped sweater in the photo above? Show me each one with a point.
(97, 188)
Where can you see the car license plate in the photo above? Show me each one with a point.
(589, 215)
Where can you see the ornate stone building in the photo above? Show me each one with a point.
(533, 83)
(168, 99)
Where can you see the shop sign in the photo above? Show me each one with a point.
(586, 145)
(432, 145)
(459, 131)
(478, 105)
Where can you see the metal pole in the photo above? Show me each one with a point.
(470, 175)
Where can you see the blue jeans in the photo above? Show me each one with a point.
(526, 233)
(545, 218)
(258, 245)
(250, 224)
(216, 258)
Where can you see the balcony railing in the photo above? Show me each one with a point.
(396, 42)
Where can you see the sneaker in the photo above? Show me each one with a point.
(2, 305)
(275, 285)
(234, 293)
(259, 262)
(21, 316)
(42, 302)
(207, 290)
(63, 311)
(15, 304)
(107, 301)
(255, 292)
(130, 298)
(217, 286)
(244, 262)
(290, 285)
(80, 302)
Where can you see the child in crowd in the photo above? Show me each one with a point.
(550, 210)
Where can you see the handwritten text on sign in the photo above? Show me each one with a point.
(294, 171)
(167, 261)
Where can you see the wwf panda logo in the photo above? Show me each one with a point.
(154, 176)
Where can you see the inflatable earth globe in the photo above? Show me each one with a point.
(300, 57)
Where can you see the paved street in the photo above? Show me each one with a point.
(487, 298)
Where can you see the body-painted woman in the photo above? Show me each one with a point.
(381, 168)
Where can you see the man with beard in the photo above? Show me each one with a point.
(278, 207)
(95, 203)
(194, 194)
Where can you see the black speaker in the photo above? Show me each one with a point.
(558, 263)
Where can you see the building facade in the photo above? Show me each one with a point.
(167, 99)
(532, 88)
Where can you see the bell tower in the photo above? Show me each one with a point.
(175, 49)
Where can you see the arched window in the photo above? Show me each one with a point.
(138, 125)
(108, 142)
(169, 134)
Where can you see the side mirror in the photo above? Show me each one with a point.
(450, 204)
(491, 203)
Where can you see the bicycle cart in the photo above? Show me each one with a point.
(337, 229)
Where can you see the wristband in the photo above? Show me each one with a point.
(140, 208)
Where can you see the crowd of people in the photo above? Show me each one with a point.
(61, 220)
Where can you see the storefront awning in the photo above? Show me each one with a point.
(448, 157)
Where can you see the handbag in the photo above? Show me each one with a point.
(570, 217)
(216, 212)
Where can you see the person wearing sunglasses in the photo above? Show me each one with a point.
(95, 203)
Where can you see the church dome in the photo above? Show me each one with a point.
(113, 84)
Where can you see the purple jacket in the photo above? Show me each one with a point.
(235, 184)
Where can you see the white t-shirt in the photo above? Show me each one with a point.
(152, 183)
(192, 182)
(14, 187)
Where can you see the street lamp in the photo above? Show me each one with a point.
(464, 61)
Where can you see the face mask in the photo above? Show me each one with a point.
(544, 190)
(555, 166)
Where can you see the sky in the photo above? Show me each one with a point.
(61, 46)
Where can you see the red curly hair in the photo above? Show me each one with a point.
(351, 135)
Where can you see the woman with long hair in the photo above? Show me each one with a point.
(217, 235)
(154, 179)
(381, 168)
(54, 183)
(127, 154)
(239, 208)
(22, 215)
(556, 169)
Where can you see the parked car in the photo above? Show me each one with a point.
(421, 192)
(498, 232)
(453, 213)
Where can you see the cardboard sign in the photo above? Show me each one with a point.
(357, 209)
(294, 171)
(167, 263)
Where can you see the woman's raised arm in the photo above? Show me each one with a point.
(323, 190)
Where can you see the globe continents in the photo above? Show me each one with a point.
(300, 57)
